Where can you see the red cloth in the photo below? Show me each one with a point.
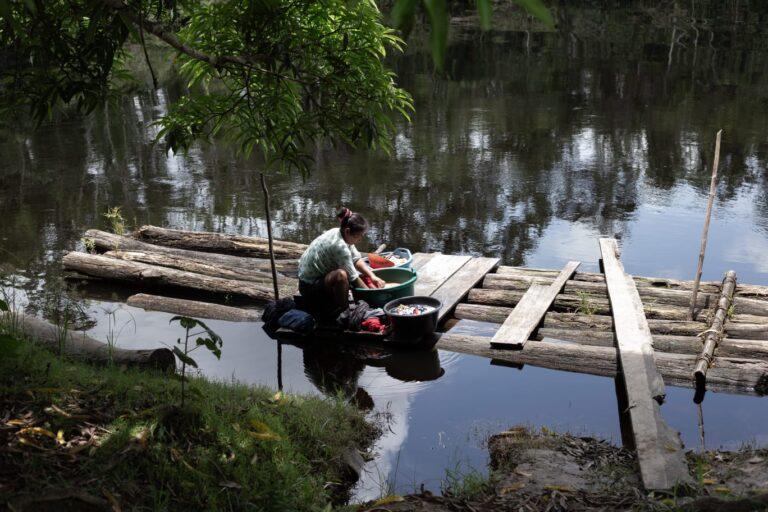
(373, 324)
(368, 282)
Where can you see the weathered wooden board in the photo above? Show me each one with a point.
(458, 285)
(659, 449)
(437, 271)
(421, 258)
(528, 313)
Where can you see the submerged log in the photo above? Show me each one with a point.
(133, 272)
(497, 314)
(715, 332)
(731, 374)
(218, 242)
(199, 267)
(193, 308)
(649, 294)
(78, 345)
(742, 290)
(104, 241)
(587, 303)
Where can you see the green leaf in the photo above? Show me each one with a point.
(9, 345)
(438, 33)
(403, 14)
(484, 11)
(538, 10)
(184, 357)
(185, 321)
(210, 345)
(4, 305)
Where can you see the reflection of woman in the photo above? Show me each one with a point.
(331, 263)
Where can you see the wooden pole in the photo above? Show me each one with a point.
(269, 235)
(705, 233)
(715, 332)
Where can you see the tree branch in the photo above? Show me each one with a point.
(168, 36)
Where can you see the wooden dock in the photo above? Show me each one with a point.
(609, 324)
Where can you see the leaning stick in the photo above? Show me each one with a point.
(705, 233)
(269, 236)
(715, 332)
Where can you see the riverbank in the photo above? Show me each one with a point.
(79, 437)
(543, 470)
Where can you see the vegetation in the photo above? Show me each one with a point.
(77, 436)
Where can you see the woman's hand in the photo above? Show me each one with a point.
(377, 281)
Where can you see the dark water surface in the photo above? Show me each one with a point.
(532, 147)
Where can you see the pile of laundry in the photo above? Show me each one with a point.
(411, 309)
(360, 316)
(284, 313)
(392, 259)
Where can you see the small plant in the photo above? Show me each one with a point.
(90, 245)
(116, 220)
(113, 332)
(585, 307)
(731, 311)
(212, 342)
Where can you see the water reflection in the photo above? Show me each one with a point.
(529, 148)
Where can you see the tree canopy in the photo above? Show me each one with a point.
(266, 75)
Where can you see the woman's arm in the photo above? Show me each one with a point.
(366, 270)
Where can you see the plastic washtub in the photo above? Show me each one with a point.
(400, 252)
(414, 329)
(377, 297)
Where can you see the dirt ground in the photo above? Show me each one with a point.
(547, 471)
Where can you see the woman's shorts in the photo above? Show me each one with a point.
(316, 297)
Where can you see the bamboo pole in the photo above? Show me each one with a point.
(705, 232)
(715, 331)
(269, 236)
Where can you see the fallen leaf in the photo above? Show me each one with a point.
(16, 423)
(709, 481)
(523, 473)
(175, 455)
(60, 437)
(278, 396)
(36, 431)
(722, 490)
(112, 500)
(386, 500)
(231, 485)
(560, 488)
(512, 488)
(262, 431)
(756, 460)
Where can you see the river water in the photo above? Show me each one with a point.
(530, 147)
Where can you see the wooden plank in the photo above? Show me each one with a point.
(529, 312)
(457, 286)
(436, 271)
(659, 449)
(421, 258)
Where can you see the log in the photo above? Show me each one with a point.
(742, 290)
(594, 304)
(193, 308)
(649, 294)
(81, 346)
(105, 241)
(191, 265)
(730, 375)
(218, 242)
(133, 272)
(715, 331)
(497, 314)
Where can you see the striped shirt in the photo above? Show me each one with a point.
(327, 253)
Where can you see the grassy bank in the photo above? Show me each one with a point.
(77, 437)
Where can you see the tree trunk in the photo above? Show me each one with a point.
(715, 331)
(742, 290)
(650, 294)
(105, 241)
(497, 314)
(82, 346)
(140, 273)
(193, 308)
(198, 267)
(732, 375)
(594, 304)
(218, 242)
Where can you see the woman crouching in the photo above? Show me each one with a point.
(331, 264)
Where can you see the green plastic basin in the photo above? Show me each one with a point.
(379, 296)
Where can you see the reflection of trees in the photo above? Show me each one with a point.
(507, 143)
